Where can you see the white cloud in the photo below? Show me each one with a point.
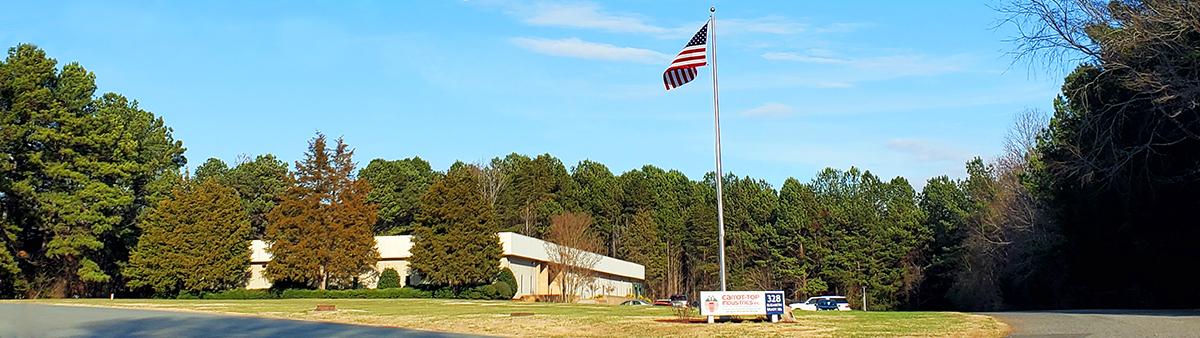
(896, 65)
(586, 15)
(576, 48)
(804, 58)
(768, 24)
(926, 150)
(841, 27)
(771, 109)
(589, 16)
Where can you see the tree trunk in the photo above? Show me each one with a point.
(324, 279)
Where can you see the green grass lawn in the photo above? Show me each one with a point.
(495, 318)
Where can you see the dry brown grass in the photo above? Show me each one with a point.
(574, 320)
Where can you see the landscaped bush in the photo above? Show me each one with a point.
(240, 294)
(357, 293)
(444, 293)
(503, 291)
(389, 279)
(506, 276)
(479, 292)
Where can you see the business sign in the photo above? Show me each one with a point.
(735, 303)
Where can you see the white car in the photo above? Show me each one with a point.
(811, 303)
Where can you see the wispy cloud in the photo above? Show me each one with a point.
(576, 48)
(588, 16)
(927, 150)
(771, 109)
(804, 58)
(897, 65)
(768, 24)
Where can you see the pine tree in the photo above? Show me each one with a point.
(456, 243)
(320, 233)
(76, 171)
(192, 241)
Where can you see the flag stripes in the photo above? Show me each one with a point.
(683, 68)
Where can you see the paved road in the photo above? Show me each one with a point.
(37, 320)
(1103, 323)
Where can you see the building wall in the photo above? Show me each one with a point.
(526, 272)
(526, 256)
(256, 280)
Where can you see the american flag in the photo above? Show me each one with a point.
(683, 69)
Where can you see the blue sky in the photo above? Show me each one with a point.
(901, 88)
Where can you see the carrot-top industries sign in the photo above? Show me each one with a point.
(733, 303)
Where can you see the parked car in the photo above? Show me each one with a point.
(635, 302)
(827, 304)
(663, 302)
(679, 300)
(840, 303)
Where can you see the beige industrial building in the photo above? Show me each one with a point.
(527, 257)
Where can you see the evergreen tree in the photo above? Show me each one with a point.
(599, 193)
(212, 168)
(260, 183)
(946, 211)
(396, 187)
(455, 241)
(796, 246)
(75, 174)
(320, 233)
(540, 187)
(192, 241)
(388, 279)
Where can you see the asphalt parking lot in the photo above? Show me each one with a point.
(1103, 323)
(38, 320)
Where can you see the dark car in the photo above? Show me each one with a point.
(827, 305)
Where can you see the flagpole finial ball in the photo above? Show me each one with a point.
(712, 9)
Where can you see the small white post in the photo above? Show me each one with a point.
(864, 298)
(710, 319)
(774, 318)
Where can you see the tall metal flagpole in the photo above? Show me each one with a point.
(712, 52)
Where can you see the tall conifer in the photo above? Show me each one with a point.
(456, 243)
(320, 233)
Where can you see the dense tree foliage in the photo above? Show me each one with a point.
(193, 241)
(320, 233)
(539, 188)
(455, 243)
(259, 182)
(396, 187)
(76, 171)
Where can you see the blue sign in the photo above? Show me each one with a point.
(774, 302)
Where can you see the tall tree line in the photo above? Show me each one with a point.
(842, 231)
(1090, 207)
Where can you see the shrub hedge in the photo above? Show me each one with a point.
(301, 293)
